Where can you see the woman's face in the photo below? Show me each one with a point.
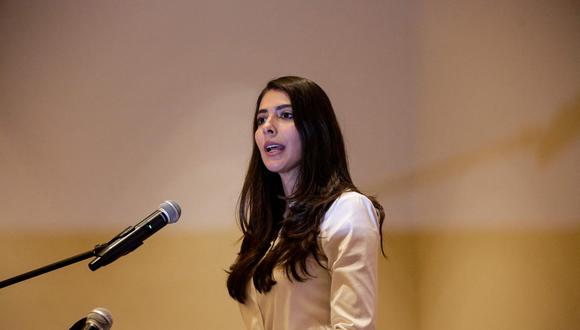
(277, 138)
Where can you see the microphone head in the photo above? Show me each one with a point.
(101, 318)
(171, 210)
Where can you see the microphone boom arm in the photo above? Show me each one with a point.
(54, 266)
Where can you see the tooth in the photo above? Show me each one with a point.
(273, 147)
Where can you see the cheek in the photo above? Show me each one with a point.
(297, 145)
(259, 141)
(257, 137)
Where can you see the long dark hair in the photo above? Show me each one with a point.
(323, 177)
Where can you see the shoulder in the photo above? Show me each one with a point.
(350, 211)
(350, 231)
(351, 199)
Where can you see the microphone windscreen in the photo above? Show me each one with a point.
(101, 317)
(170, 209)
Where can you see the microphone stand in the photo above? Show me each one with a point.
(54, 266)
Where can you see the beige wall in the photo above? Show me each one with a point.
(462, 117)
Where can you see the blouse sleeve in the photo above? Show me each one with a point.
(350, 241)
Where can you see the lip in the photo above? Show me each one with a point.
(274, 151)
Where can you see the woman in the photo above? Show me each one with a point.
(308, 258)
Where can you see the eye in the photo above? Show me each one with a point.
(287, 115)
(260, 120)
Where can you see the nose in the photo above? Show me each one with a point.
(269, 126)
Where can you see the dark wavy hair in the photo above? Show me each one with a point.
(322, 178)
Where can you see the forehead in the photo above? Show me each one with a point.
(274, 98)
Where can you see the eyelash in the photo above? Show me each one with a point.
(284, 115)
(287, 115)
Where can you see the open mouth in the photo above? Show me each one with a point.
(274, 147)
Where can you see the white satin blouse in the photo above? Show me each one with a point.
(342, 297)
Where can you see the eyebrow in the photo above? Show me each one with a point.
(277, 108)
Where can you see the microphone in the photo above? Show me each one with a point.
(98, 319)
(132, 237)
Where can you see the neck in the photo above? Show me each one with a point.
(289, 182)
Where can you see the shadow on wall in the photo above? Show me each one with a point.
(546, 142)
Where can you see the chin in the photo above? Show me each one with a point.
(275, 169)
